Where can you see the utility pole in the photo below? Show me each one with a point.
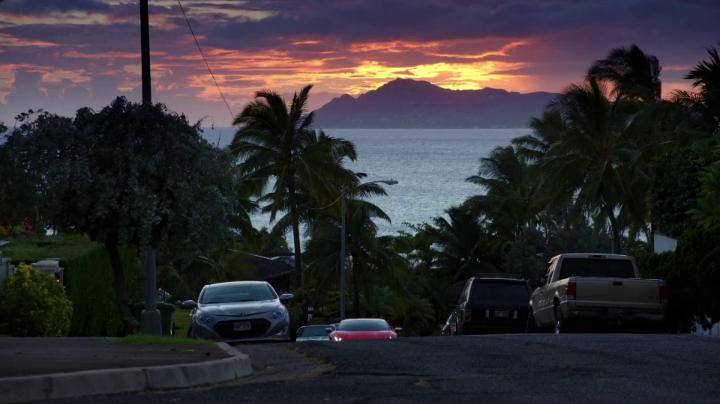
(150, 318)
(145, 52)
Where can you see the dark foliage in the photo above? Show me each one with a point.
(675, 188)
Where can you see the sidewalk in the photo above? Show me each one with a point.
(42, 368)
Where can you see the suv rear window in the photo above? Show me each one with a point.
(596, 267)
(484, 292)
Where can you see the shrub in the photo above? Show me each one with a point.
(88, 278)
(652, 265)
(415, 314)
(692, 274)
(34, 304)
(696, 273)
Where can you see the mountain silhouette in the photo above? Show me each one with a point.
(406, 103)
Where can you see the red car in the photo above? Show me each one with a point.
(354, 329)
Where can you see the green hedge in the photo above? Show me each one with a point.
(90, 285)
(63, 246)
(692, 274)
(89, 279)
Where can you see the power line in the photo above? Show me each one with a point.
(202, 54)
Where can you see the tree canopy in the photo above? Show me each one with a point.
(128, 175)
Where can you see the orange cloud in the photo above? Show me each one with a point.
(306, 42)
(456, 64)
(108, 55)
(503, 51)
(13, 41)
(57, 76)
(392, 46)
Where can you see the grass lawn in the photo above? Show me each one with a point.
(63, 246)
(140, 339)
(181, 318)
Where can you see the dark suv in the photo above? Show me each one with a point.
(493, 303)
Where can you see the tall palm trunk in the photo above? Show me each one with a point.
(296, 234)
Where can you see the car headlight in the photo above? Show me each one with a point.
(277, 314)
(205, 318)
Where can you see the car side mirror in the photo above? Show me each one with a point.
(285, 298)
(329, 330)
(188, 304)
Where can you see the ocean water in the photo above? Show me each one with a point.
(430, 165)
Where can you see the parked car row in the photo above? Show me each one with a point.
(352, 329)
(578, 289)
(253, 311)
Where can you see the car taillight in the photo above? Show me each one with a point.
(467, 315)
(570, 290)
(664, 294)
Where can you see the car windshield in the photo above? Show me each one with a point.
(313, 331)
(363, 325)
(493, 292)
(600, 268)
(250, 292)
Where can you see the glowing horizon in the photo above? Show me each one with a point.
(57, 56)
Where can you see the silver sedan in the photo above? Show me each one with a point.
(241, 311)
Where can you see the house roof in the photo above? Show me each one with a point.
(269, 268)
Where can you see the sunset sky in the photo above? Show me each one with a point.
(64, 54)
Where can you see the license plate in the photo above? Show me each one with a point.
(241, 326)
(502, 314)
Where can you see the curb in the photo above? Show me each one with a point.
(125, 380)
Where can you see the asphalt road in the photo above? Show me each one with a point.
(504, 368)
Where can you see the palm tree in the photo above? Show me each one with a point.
(707, 212)
(275, 142)
(545, 131)
(369, 253)
(509, 185)
(595, 158)
(244, 192)
(462, 240)
(706, 75)
(634, 73)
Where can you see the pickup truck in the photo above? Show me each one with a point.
(597, 288)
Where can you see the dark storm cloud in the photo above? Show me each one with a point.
(433, 20)
(44, 6)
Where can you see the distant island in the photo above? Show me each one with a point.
(406, 103)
